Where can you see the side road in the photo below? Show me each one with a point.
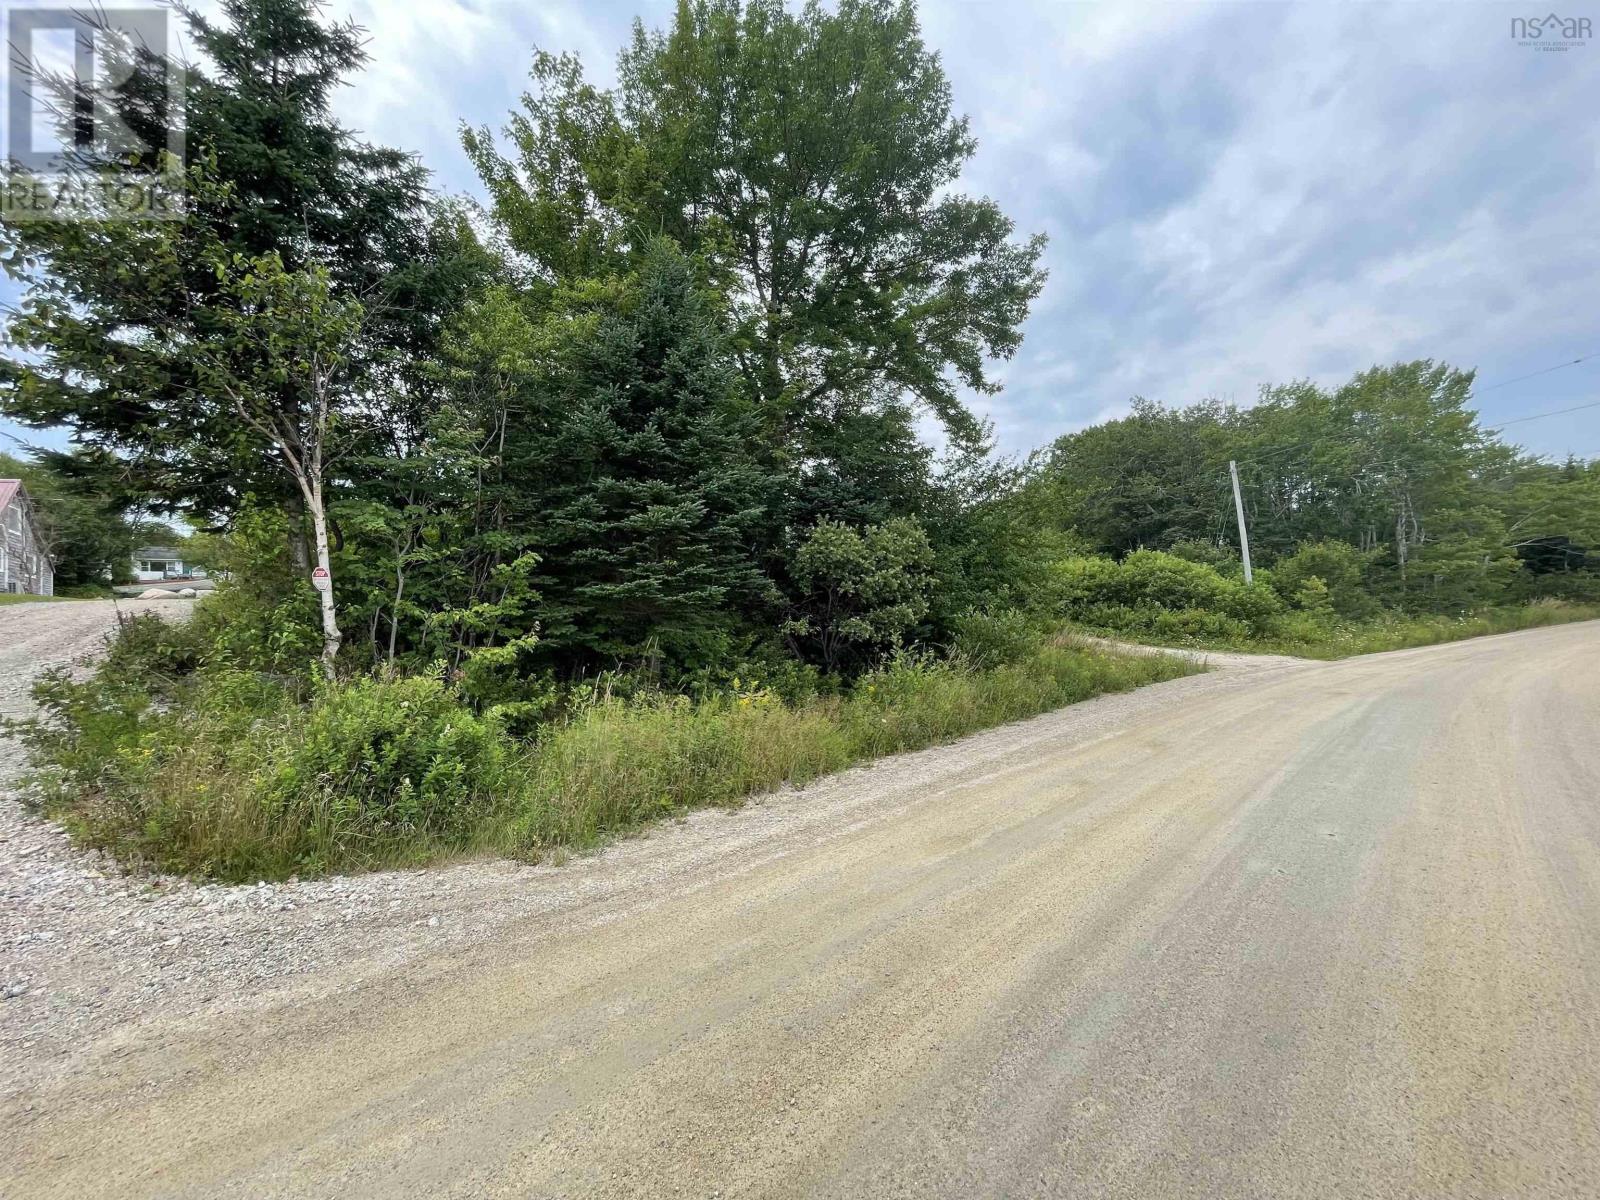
(1300, 929)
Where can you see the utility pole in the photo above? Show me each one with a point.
(1238, 508)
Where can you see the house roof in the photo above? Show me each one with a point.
(8, 489)
(158, 552)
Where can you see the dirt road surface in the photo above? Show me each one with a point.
(34, 637)
(1324, 930)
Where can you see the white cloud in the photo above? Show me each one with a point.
(1236, 194)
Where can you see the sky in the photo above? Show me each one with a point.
(1235, 194)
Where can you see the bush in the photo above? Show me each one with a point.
(861, 591)
(150, 652)
(377, 759)
(1132, 595)
(1341, 570)
(234, 778)
(989, 639)
(1224, 560)
(175, 758)
(1194, 625)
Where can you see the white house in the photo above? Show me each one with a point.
(152, 564)
(24, 563)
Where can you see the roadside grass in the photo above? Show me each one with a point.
(225, 774)
(22, 598)
(1304, 637)
(617, 764)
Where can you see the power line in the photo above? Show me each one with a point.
(1560, 366)
(1556, 412)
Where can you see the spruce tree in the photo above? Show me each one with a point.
(643, 486)
(112, 316)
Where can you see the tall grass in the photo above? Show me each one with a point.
(226, 776)
(619, 763)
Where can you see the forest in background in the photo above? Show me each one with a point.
(615, 479)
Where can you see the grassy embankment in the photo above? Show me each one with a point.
(1343, 639)
(222, 773)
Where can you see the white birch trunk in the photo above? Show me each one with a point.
(331, 637)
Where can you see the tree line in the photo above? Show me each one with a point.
(654, 404)
(1390, 473)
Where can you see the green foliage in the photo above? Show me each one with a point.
(639, 477)
(262, 617)
(617, 763)
(172, 759)
(375, 760)
(989, 638)
(1222, 559)
(82, 520)
(224, 773)
(1337, 569)
(807, 156)
(114, 311)
(861, 591)
(1161, 594)
(1393, 465)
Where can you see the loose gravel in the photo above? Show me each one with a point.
(92, 957)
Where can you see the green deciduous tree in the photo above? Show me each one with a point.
(862, 591)
(810, 159)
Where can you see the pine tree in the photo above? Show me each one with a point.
(112, 316)
(644, 489)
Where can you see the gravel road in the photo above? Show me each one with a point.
(1290, 929)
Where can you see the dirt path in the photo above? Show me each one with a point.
(35, 637)
(1327, 930)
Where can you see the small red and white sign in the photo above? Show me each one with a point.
(321, 580)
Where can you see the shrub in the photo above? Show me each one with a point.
(861, 591)
(1194, 625)
(235, 778)
(1133, 593)
(237, 774)
(377, 759)
(150, 652)
(1341, 570)
(1222, 559)
(989, 639)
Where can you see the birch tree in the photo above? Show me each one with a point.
(280, 360)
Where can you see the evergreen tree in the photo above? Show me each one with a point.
(638, 476)
(111, 332)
